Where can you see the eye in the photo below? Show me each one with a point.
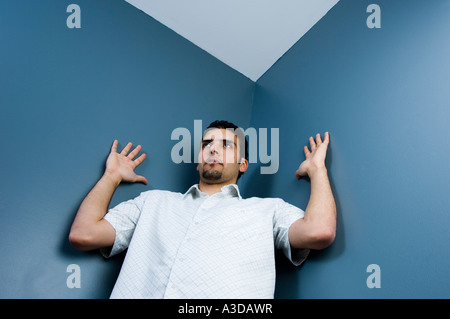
(228, 145)
(206, 144)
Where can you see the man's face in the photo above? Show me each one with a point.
(219, 160)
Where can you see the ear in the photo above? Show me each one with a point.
(243, 166)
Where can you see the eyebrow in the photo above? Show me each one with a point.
(210, 140)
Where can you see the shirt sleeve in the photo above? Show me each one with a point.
(123, 219)
(285, 215)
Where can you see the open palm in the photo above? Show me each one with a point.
(315, 158)
(122, 165)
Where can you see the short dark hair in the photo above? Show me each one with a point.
(228, 125)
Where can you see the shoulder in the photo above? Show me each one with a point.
(265, 201)
(275, 203)
(275, 200)
(155, 194)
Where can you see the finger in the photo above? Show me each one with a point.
(126, 149)
(135, 152)
(312, 143)
(306, 150)
(326, 138)
(114, 146)
(141, 179)
(299, 173)
(140, 159)
(318, 139)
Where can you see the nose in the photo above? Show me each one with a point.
(213, 149)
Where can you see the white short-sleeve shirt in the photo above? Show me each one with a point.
(194, 245)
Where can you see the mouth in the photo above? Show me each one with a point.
(213, 161)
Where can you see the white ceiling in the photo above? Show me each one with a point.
(248, 35)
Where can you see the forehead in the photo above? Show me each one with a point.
(219, 133)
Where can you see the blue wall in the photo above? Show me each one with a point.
(66, 94)
(384, 96)
(382, 93)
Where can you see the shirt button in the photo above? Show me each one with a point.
(181, 259)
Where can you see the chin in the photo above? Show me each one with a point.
(211, 175)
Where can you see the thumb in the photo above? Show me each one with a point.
(141, 179)
(301, 171)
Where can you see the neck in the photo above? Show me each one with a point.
(211, 189)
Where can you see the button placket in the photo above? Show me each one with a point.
(183, 250)
(181, 256)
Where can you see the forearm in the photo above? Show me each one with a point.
(321, 210)
(317, 229)
(88, 224)
(95, 205)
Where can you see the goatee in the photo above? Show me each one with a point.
(212, 175)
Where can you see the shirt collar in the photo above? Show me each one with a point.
(231, 190)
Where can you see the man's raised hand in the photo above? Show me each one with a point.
(121, 166)
(315, 158)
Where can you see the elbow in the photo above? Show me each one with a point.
(323, 239)
(80, 241)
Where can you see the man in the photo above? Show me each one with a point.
(208, 242)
